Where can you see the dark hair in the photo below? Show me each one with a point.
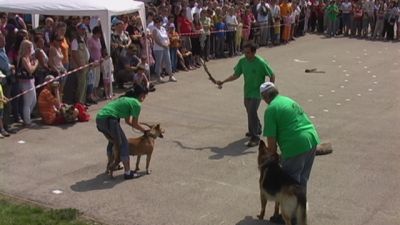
(56, 37)
(157, 19)
(252, 46)
(136, 91)
(97, 30)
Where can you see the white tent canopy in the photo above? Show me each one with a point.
(104, 9)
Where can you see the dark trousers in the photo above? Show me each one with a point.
(254, 125)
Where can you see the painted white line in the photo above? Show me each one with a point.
(300, 61)
(57, 192)
(338, 104)
(325, 110)
(347, 100)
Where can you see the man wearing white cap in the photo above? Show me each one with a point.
(287, 125)
(254, 70)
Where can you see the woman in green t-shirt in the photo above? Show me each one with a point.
(127, 107)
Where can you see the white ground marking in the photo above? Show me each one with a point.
(346, 80)
(370, 89)
(374, 76)
(333, 60)
(309, 100)
(375, 82)
(347, 100)
(333, 91)
(341, 86)
(364, 50)
(312, 117)
(365, 67)
(21, 142)
(358, 95)
(344, 71)
(365, 54)
(347, 75)
(338, 104)
(340, 66)
(368, 71)
(326, 110)
(57, 192)
(300, 61)
(321, 95)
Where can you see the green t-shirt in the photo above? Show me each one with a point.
(123, 107)
(333, 11)
(254, 72)
(285, 120)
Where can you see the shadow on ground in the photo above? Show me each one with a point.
(236, 148)
(249, 220)
(100, 182)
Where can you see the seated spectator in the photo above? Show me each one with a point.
(140, 78)
(125, 66)
(52, 111)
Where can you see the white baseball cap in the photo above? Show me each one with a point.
(266, 86)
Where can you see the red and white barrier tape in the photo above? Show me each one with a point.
(96, 63)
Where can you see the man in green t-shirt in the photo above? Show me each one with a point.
(254, 70)
(287, 125)
(333, 11)
(127, 107)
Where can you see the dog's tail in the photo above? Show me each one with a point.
(301, 211)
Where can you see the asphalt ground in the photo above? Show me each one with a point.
(202, 172)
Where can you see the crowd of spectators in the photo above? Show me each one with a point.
(178, 35)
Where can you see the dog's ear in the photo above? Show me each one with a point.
(262, 151)
(158, 126)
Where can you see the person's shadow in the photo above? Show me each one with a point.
(235, 148)
(100, 182)
(249, 220)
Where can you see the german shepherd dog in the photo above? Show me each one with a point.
(276, 185)
(143, 145)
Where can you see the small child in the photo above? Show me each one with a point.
(107, 68)
(140, 78)
(3, 100)
(90, 87)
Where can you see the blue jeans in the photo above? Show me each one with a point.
(111, 129)
(174, 58)
(299, 167)
(162, 58)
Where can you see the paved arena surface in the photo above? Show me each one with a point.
(202, 172)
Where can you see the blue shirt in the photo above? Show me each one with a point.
(4, 62)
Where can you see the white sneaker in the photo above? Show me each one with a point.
(172, 78)
(160, 80)
(1, 136)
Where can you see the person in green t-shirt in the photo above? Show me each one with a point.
(333, 12)
(287, 125)
(127, 107)
(254, 70)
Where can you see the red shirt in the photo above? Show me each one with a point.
(185, 25)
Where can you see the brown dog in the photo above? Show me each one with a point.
(144, 145)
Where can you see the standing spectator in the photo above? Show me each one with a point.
(3, 101)
(263, 14)
(195, 39)
(120, 41)
(369, 17)
(276, 21)
(94, 46)
(80, 57)
(56, 58)
(61, 30)
(286, 11)
(248, 20)
(173, 47)
(231, 25)
(220, 28)
(184, 28)
(161, 50)
(48, 31)
(206, 23)
(357, 21)
(390, 20)
(333, 12)
(346, 8)
(108, 71)
(254, 70)
(380, 15)
(239, 36)
(26, 69)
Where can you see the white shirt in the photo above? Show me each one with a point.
(261, 18)
(162, 36)
(346, 7)
(231, 21)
